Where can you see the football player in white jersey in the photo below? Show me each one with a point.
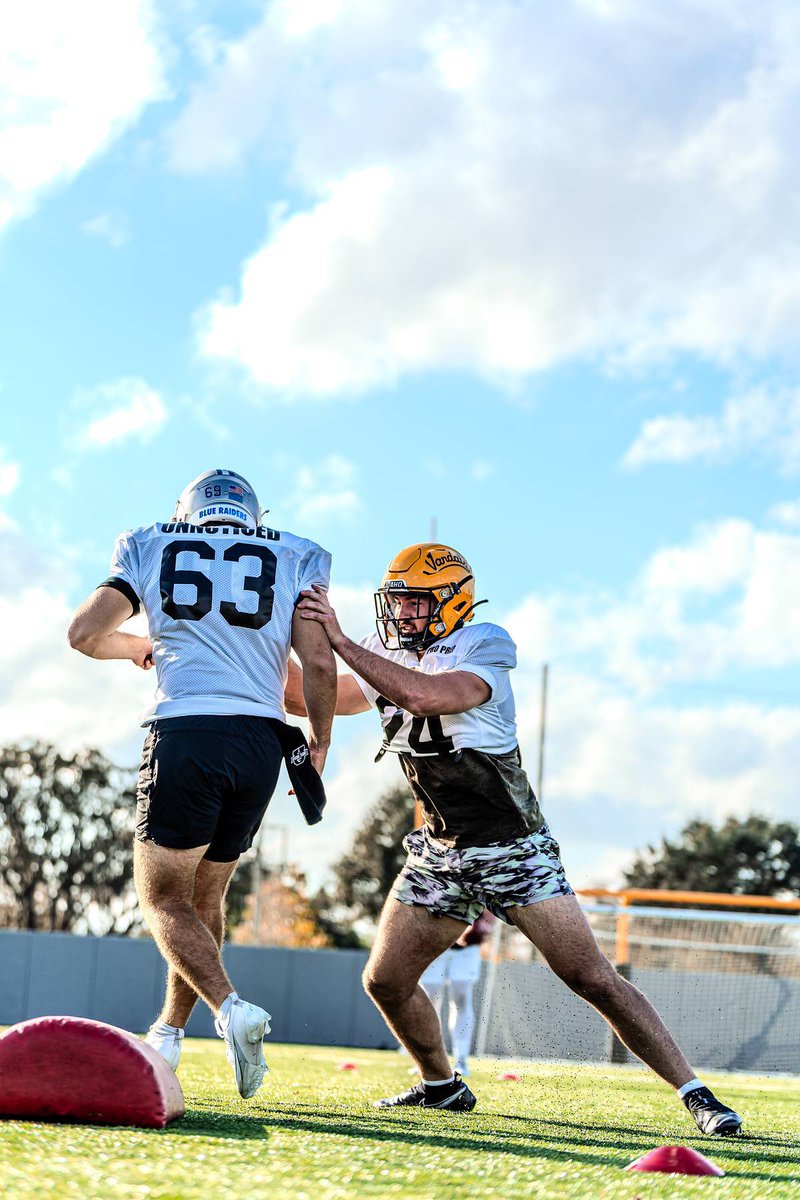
(219, 591)
(442, 689)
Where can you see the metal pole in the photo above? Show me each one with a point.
(489, 984)
(433, 529)
(255, 885)
(542, 722)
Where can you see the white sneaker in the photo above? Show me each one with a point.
(244, 1027)
(462, 1067)
(166, 1039)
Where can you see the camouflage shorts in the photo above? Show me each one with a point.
(461, 883)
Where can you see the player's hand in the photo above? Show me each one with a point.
(142, 655)
(315, 606)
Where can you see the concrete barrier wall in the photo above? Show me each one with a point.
(744, 1022)
(314, 996)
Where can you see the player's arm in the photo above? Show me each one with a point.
(318, 685)
(349, 697)
(416, 693)
(94, 629)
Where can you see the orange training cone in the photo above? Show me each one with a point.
(347, 1065)
(675, 1160)
(509, 1077)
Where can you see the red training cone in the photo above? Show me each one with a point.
(675, 1160)
(509, 1077)
(347, 1065)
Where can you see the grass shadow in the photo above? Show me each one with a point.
(527, 1142)
(504, 1134)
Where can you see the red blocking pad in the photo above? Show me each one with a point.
(73, 1069)
(675, 1160)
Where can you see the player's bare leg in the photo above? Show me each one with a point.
(407, 941)
(208, 901)
(559, 929)
(164, 881)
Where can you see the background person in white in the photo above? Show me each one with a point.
(444, 696)
(452, 977)
(219, 590)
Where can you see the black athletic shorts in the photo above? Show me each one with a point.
(206, 780)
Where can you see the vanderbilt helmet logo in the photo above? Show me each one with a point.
(434, 561)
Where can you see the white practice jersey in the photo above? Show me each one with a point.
(219, 602)
(484, 650)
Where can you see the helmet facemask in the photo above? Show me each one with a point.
(444, 609)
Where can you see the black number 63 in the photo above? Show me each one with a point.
(263, 584)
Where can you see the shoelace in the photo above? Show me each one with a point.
(702, 1098)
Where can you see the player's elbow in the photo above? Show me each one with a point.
(319, 666)
(81, 637)
(420, 703)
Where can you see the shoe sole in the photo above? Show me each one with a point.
(246, 1083)
(726, 1129)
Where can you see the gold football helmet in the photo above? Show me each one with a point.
(441, 579)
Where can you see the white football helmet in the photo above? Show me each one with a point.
(218, 498)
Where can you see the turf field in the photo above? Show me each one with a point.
(312, 1134)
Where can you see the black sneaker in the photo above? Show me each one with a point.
(455, 1097)
(712, 1117)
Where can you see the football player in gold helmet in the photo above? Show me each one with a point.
(441, 685)
(433, 587)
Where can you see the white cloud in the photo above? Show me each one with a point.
(323, 494)
(506, 186)
(355, 608)
(48, 690)
(120, 410)
(629, 758)
(9, 475)
(786, 513)
(73, 78)
(760, 422)
(109, 227)
(620, 772)
(723, 602)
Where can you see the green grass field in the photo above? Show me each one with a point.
(312, 1134)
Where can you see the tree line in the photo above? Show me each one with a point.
(66, 858)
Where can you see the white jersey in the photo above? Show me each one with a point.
(219, 602)
(484, 650)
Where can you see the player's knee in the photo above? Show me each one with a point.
(160, 892)
(597, 982)
(382, 988)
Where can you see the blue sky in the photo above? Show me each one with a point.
(528, 269)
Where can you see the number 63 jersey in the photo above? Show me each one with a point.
(219, 602)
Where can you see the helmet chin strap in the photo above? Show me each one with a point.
(471, 610)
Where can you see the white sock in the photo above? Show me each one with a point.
(438, 1082)
(225, 1007)
(691, 1086)
(165, 1027)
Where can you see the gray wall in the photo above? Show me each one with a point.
(744, 1022)
(314, 996)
